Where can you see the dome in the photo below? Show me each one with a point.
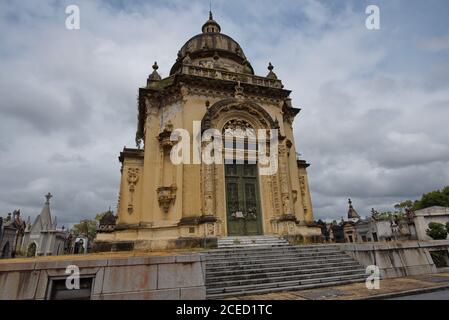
(213, 47)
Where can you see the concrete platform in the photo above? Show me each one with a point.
(389, 288)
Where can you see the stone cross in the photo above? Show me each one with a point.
(48, 196)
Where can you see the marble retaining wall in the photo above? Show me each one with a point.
(169, 277)
(398, 259)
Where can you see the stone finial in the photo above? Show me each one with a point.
(155, 75)
(271, 74)
(352, 213)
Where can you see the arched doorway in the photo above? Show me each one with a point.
(233, 190)
(32, 248)
(241, 179)
(6, 252)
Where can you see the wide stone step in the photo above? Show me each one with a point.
(276, 279)
(263, 250)
(268, 249)
(271, 255)
(281, 268)
(280, 263)
(251, 242)
(274, 272)
(213, 263)
(254, 246)
(239, 241)
(279, 289)
(284, 284)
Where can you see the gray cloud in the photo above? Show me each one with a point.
(68, 98)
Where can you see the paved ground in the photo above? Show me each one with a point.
(437, 295)
(388, 289)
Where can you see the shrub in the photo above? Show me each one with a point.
(437, 231)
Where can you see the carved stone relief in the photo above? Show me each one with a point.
(166, 196)
(132, 178)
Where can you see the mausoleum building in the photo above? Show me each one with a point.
(212, 88)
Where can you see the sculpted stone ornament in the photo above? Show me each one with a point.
(302, 185)
(208, 179)
(166, 196)
(164, 138)
(210, 229)
(133, 178)
(239, 91)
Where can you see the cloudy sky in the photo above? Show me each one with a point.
(375, 104)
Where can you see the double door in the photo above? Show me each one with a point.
(244, 216)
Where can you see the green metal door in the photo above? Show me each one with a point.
(243, 200)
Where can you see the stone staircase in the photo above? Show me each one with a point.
(251, 241)
(237, 269)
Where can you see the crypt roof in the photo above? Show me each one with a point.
(211, 43)
(43, 221)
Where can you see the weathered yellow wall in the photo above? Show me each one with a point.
(156, 170)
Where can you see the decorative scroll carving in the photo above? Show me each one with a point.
(302, 187)
(133, 178)
(284, 182)
(295, 195)
(275, 192)
(210, 229)
(209, 196)
(166, 196)
(302, 184)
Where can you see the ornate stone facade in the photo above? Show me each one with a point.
(162, 203)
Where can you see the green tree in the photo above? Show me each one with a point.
(437, 231)
(88, 227)
(447, 227)
(433, 198)
(402, 206)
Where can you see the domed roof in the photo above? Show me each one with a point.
(211, 43)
